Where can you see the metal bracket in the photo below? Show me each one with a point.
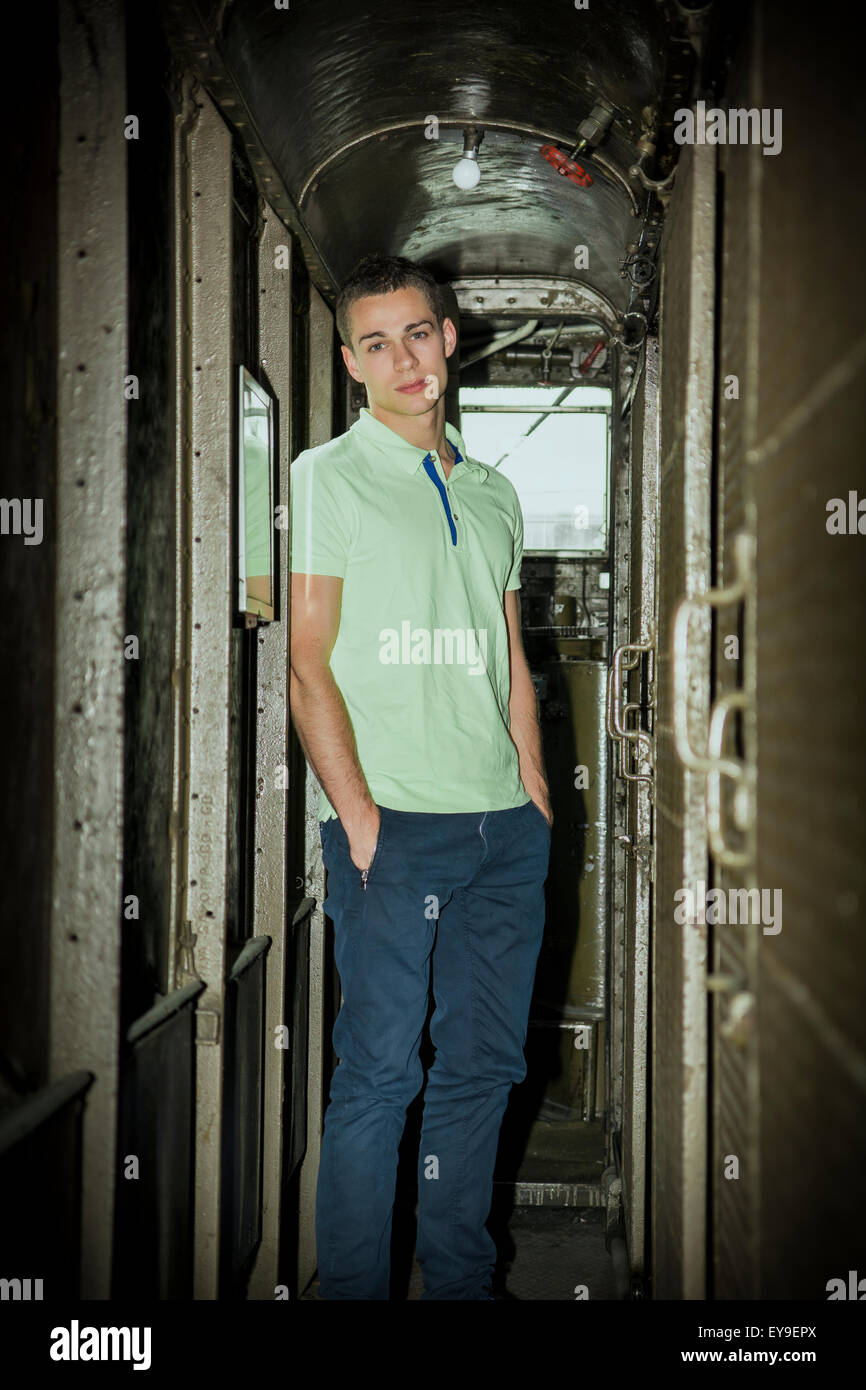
(186, 954)
(632, 347)
(207, 1026)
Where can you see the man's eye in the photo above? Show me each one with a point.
(374, 346)
(421, 333)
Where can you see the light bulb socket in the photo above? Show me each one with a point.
(472, 137)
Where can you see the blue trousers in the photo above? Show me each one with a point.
(465, 891)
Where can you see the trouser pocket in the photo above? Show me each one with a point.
(340, 847)
(367, 874)
(541, 815)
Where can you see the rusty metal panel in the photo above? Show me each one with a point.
(90, 585)
(679, 1034)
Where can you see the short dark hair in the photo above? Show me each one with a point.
(378, 274)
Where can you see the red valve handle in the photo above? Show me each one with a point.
(587, 362)
(565, 166)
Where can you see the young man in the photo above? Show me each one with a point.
(414, 705)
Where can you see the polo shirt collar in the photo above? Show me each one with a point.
(408, 456)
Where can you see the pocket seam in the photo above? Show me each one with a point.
(379, 842)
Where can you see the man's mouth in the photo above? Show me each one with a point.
(412, 386)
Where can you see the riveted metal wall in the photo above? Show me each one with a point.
(90, 592)
(205, 158)
(643, 502)
(807, 448)
(180, 966)
(679, 1028)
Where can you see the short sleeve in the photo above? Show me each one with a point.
(320, 542)
(514, 576)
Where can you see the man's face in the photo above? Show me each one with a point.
(398, 351)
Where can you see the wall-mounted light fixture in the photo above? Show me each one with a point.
(466, 172)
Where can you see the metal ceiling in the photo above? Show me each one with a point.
(333, 98)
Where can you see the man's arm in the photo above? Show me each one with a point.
(523, 711)
(319, 711)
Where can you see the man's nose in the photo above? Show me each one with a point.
(405, 357)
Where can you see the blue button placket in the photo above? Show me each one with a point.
(430, 470)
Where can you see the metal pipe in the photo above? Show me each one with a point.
(516, 335)
(536, 354)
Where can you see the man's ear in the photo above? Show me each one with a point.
(351, 364)
(449, 333)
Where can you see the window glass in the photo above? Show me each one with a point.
(557, 463)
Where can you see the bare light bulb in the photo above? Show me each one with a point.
(466, 173)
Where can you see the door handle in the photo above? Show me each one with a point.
(627, 657)
(642, 739)
(741, 773)
(713, 763)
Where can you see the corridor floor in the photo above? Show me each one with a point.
(549, 1253)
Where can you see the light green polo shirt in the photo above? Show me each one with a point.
(421, 656)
